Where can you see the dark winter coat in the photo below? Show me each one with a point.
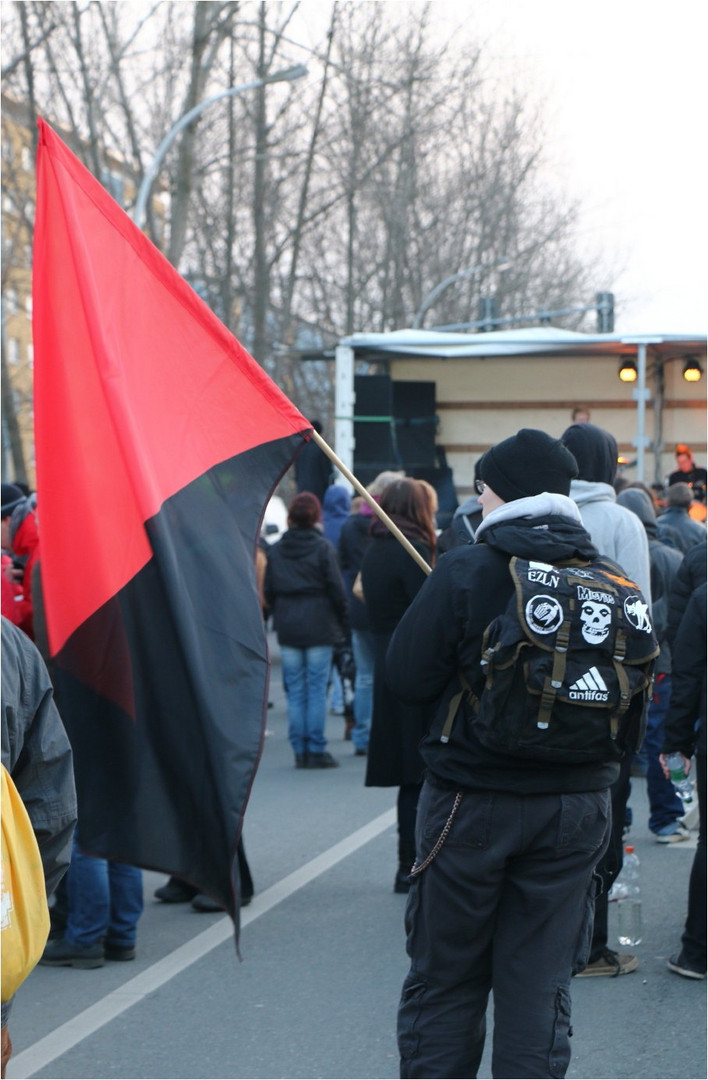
(354, 539)
(664, 563)
(690, 574)
(690, 532)
(442, 631)
(304, 590)
(313, 470)
(391, 579)
(685, 725)
(336, 510)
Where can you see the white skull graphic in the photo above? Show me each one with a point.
(596, 619)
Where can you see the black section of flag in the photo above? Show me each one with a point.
(164, 690)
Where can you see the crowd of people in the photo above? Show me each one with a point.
(358, 619)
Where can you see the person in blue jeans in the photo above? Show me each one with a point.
(304, 590)
(105, 902)
(364, 658)
(305, 678)
(666, 807)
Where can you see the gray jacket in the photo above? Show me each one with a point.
(36, 751)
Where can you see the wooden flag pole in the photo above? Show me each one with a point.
(390, 525)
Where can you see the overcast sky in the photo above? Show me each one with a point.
(625, 93)
(626, 90)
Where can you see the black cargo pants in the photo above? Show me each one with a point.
(506, 906)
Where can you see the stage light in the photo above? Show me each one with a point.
(628, 370)
(692, 370)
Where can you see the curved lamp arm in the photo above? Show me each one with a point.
(141, 202)
(435, 293)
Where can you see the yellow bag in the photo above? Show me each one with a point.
(24, 913)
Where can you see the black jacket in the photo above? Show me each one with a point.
(391, 579)
(442, 631)
(690, 574)
(354, 539)
(664, 563)
(304, 590)
(685, 725)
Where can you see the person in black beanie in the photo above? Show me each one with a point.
(506, 847)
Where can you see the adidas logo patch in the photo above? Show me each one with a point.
(589, 687)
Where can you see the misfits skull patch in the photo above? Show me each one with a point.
(596, 619)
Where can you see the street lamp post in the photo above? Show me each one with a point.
(288, 75)
(459, 276)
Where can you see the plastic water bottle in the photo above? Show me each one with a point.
(629, 907)
(684, 787)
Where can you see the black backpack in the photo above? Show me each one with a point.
(566, 669)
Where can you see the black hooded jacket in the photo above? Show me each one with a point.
(664, 563)
(441, 633)
(303, 588)
(595, 451)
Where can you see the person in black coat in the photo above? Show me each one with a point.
(354, 539)
(678, 501)
(391, 578)
(685, 732)
(313, 469)
(690, 574)
(303, 589)
(506, 848)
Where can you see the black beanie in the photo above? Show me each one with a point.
(527, 464)
(11, 497)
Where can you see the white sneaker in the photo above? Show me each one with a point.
(672, 834)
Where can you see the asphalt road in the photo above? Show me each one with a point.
(323, 958)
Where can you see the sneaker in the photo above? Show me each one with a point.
(672, 834)
(321, 761)
(175, 891)
(119, 952)
(679, 965)
(360, 751)
(610, 963)
(61, 953)
(301, 761)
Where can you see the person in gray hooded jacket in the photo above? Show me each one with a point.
(619, 534)
(37, 754)
(616, 532)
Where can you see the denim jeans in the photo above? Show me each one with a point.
(105, 900)
(363, 648)
(665, 806)
(336, 693)
(305, 679)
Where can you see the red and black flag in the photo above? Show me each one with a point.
(158, 442)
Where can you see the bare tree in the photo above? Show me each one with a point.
(305, 212)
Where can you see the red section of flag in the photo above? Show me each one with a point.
(139, 389)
